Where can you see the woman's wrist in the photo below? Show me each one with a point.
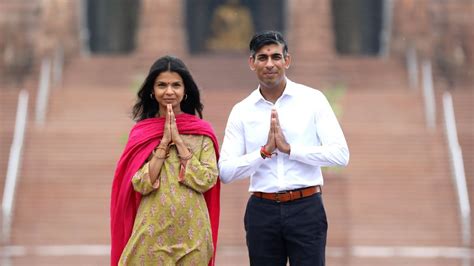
(162, 146)
(160, 153)
(164, 142)
(186, 156)
(184, 152)
(179, 142)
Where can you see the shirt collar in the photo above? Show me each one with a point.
(256, 96)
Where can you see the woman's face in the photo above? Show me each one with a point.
(169, 89)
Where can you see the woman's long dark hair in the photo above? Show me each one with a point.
(147, 107)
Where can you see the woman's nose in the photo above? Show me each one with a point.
(169, 89)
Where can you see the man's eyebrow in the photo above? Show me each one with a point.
(259, 55)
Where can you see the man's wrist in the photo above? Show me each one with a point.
(288, 149)
(265, 153)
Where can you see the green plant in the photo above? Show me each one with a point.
(334, 94)
(137, 82)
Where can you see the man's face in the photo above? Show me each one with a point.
(269, 64)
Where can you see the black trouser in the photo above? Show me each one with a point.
(277, 231)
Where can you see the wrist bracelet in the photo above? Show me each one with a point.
(160, 148)
(187, 157)
(159, 157)
(265, 154)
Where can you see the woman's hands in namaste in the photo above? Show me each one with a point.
(170, 132)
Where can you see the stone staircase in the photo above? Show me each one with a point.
(8, 103)
(463, 98)
(400, 187)
(9, 96)
(396, 191)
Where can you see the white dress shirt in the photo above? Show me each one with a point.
(309, 126)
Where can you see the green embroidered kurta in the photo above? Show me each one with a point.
(172, 223)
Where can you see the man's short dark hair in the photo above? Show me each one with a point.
(265, 38)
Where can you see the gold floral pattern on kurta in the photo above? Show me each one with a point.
(172, 223)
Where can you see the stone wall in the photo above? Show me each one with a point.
(58, 27)
(309, 31)
(30, 30)
(17, 37)
(162, 28)
(441, 31)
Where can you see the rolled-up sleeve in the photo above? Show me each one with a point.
(142, 182)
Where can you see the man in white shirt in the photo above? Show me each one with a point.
(280, 136)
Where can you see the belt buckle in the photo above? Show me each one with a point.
(277, 199)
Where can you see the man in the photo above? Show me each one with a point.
(280, 136)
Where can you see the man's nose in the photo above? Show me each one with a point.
(269, 63)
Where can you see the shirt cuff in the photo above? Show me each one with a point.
(254, 158)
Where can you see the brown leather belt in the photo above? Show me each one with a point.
(289, 195)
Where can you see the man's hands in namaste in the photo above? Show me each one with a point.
(276, 139)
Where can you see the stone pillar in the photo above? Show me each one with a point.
(310, 33)
(162, 28)
(18, 32)
(58, 28)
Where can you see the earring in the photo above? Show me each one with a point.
(151, 96)
(185, 97)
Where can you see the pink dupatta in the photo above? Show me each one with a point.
(143, 138)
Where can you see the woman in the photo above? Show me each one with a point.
(165, 193)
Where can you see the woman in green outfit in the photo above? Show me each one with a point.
(165, 195)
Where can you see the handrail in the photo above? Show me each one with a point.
(385, 34)
(58, 64)
(457, 168)
(428, 96)
(43, 91)
(412, 67)
(14, 164)
(84, 34)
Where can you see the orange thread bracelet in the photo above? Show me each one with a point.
(264, 153)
